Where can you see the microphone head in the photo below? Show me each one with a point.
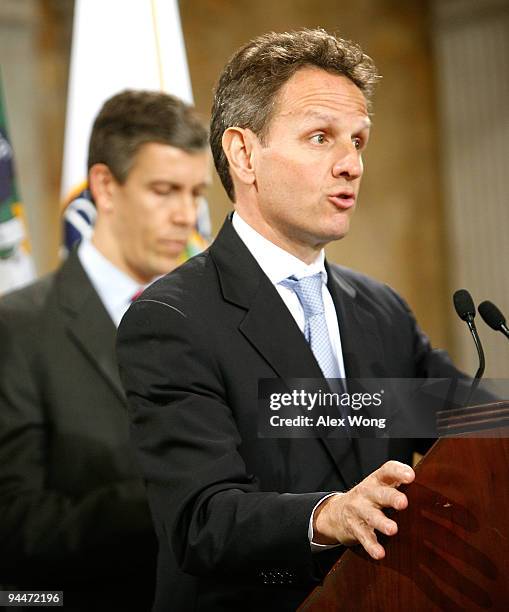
(491, 315)
(464, 304)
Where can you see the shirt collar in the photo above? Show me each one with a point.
(114, 287)
(276, 263)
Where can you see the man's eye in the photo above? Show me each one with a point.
(162, 191)
(357, 143)
(318, 138)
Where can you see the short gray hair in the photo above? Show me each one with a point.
(247, 89)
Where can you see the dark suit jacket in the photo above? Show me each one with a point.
(232, 509)
(73, 510)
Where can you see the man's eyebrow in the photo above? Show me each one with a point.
(204, 184)
(366, 122)
(177, 184)
(312, 114)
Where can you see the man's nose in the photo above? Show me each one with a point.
(348, 163)
(185, 210)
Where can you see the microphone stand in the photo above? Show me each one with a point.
(482, 364)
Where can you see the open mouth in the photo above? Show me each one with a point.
(343, 200)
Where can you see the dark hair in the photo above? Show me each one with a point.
(246, 92)
(133, 118)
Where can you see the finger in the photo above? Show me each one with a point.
(376, 519)
(394, 473)
(387, 497)
(368, 541)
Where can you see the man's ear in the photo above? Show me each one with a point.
(239, 148)
(102, 185)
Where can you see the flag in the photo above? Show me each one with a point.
(16, 265)
(118, 45)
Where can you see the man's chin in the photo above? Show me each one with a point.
(335, 234)
(169, 263)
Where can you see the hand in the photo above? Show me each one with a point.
(352, 517)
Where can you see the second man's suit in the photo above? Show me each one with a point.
(73, 508)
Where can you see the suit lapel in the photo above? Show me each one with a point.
(362, 350)
(88, 323)
(268, 324)
(363, 355)
(272, 330)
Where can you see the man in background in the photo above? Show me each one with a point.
(73, 506)
(248, 522)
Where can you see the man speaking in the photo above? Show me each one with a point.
(245, 522)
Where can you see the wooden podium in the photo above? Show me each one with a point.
(452, 549)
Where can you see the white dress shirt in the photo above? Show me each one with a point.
(114, 287)
(278, 265)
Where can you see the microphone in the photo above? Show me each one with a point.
(466, 311)
(493, 317)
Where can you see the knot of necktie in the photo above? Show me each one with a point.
(309, 292)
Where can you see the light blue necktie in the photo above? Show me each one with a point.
(309, 292)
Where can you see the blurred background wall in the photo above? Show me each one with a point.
(433, 211)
